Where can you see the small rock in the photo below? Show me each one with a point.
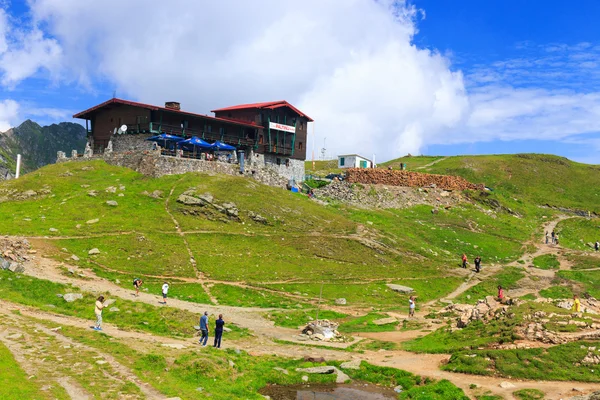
(282, 370)
(74, 258)
(101, 362)
(385, 321)
(114, 309)
(400, 288)
(231, 364)
(398, 389)
(71, 297)
(53, 230)
(178, 346)
(341, 301)
(112, 203)
(304, 378)
(93, 251)
(354, 364)
(92, 221)
(506, 385)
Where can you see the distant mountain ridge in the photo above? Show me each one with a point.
(37, 145)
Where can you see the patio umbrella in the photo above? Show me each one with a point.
(221, 146)
(194, 142)
(165, 137)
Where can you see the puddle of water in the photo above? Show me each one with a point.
(354, 391)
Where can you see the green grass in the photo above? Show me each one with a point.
(561, 363)
(583, 262)
(537, 179)
(181, 373)
(229, 295)
(42, 294)
(322, 168)
(557, 292)
(365, 324)
(413, 163)
(529, 394)
(590, 280)
(507, 278)
(546, 261)
(576, 233)
(14, 383)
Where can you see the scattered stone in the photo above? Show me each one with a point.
(257, 218)
(93, 251)
(92, 221)
(74, 258)
(231, 363)
(506, 385)
(92, 193)
(114, 309)
(53, 230)
(16, 268)
(189, 200)
(58, 328)
(112, 203)
(111, 189)
(340, 302)
(71, 297)
(101, 362)
(341, 376)
(121, 195)
(400, 288)
(317, 370)
(304, 378)
(398, 389)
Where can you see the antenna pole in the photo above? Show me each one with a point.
(18, 171)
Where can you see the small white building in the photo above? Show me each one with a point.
(354, 161)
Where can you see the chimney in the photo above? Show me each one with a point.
(173, 105)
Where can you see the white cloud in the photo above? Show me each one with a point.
(9, 113)
(350, 64)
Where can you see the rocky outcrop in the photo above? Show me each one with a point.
(484, 310)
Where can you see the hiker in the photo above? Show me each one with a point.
(576, 304)
(411, 306)
(596, 245)
(137, 283)
(219, 331)
(478, 264)
(464, 260)
(500, 294)
(98, 311)
(556, 239)
(547, 237)
(165, 290)
(553, 235)
(204, 329)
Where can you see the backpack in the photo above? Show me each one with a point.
(135, 280)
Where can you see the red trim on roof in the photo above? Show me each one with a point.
(83, 114)
(268, 105)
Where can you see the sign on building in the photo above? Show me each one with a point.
(282, 127)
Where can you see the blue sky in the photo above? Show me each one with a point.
(384, 77)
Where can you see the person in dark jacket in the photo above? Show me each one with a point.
(477, 264)
(219, 331)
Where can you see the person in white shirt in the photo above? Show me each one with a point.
(165, 290)
(98, 311)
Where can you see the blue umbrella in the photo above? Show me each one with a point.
(221, 146)
(195, 142)
(165, 137)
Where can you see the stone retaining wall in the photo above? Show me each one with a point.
(373, 176)
(152, 163)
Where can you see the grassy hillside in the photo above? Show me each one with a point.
(301, 242)
(531, 178)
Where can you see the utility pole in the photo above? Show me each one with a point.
(313, 149)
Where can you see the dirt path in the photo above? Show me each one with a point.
(432, 163)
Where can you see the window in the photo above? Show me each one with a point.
(342, 161)
(209, 128)
(299, 145)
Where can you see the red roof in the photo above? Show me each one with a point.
(270, 105)
(84, 114)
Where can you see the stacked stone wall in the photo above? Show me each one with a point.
(374, 176)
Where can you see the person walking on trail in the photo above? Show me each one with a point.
(547, 237)
(553, 236)
(98, 312)
(219, 331)
(412, 302)
(556, 239)
(137, 283)
(478, 264)
(597, 246)
(165, 291)
(464, 260)
(576, 304)
(204, 329)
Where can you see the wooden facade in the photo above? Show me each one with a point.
(247, 127)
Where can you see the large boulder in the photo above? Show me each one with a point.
(16, 268)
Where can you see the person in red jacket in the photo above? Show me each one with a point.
(464, 260)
